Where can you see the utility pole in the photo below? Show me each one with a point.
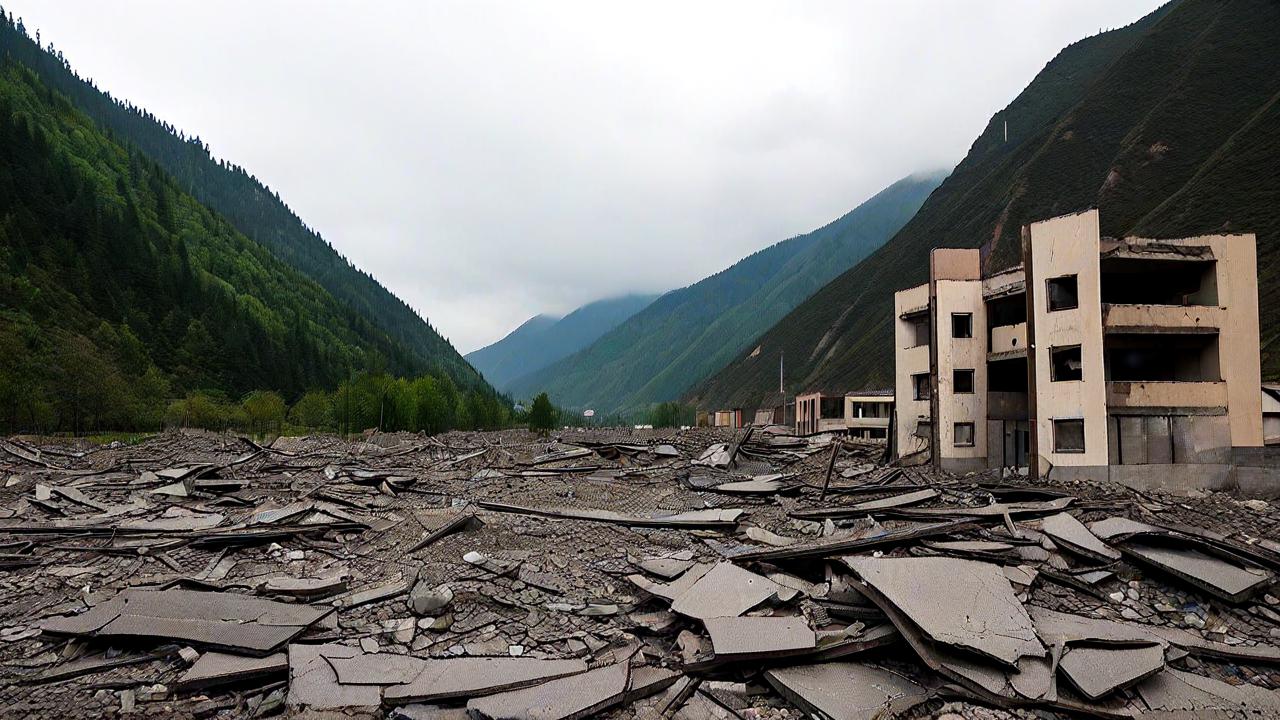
(781, 355)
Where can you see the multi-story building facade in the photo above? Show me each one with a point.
(1132, 359)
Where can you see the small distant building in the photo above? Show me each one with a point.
(772, 410)
(864, 414)
(1135, 360)
(728, 418)
(867, 414)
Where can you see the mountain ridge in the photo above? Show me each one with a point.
(543, 339)
(658, 353)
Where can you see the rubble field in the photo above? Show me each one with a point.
(696, 574)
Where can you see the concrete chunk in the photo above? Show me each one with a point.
(569, 698)
(725, 591)
(758, 636)
(1071, 534)
(846, 690)
(1099, 671)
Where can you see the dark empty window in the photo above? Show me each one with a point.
(921, 384)
(962, 381)
(924, 429)
(961, 325)
(1063, 293)
(963, 435)
(1068, 436)
(1064, 363)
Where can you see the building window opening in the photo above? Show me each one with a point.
(1068, 436)
(870, 410)
(963, 434)
(831, 408)
(962, 381)
(1158, 282)
(1063, 293)
(1064, 364)
(1007, 375)
(961, 325)
(920, 382)
(918, 334)
(1162, 358)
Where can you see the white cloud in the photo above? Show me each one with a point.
(491, 160)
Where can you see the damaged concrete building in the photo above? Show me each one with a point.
(1135, 360)
(864, 414)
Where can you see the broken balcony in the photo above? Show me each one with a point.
(1157, 274)
(1008, 341)
(1175, 370)
(1155, 319)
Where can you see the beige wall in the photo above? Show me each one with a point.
(1166, 394)
(808, 407)
(961, 296)
(908, 360)
(955, 264)
(1068, 245)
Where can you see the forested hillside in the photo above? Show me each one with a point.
(542, 340)
(119, 291)
(254, 210)
(1170, 127)
(660, 352)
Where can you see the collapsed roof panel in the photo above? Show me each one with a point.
(964, 603)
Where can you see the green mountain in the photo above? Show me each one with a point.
(541, 340)
(119, 290)
(664, 349)
(1170, 126)
(412, 345)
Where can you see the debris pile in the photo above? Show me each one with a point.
(615, 573)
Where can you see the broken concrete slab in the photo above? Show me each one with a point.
(893, 501)
(746, 638)
(846, 690)
(1074, 536)
(1230, 581)
(570, 698)
(314, 587)
(964, 603)
(223, 620)
(842, 546)
(1098, 671)
(444, 679)
(214, 669)
(675, 589)
(664, 567)
(313, 683)
(724, 518)
(1118, 527)
(461, 522)
(1178, 694)
(725, 591)
(379, 593)
(377, 668)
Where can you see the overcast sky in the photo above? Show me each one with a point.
(490, 161)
